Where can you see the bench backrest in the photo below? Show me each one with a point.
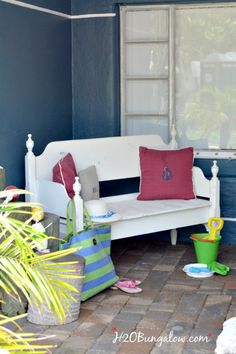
(115, 158)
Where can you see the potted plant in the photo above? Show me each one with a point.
(23, 271)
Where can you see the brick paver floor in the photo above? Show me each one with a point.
(174, 313)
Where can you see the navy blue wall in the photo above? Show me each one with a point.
(95, 73)
(96, 97)
(56, 5)
(35, 89)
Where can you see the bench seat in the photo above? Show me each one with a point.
(133, 209)
(158, 215)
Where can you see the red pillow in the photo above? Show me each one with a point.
(64, 172)
(166, 174)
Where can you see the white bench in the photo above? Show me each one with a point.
(118, 158)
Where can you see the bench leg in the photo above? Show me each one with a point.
(173, 236)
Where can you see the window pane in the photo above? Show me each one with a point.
(152, 59)
(206, 77)
(148, 125)
(147, 25)
(143, 96)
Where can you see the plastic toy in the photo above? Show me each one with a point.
(214, 229)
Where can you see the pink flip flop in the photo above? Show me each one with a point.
(127, 286)
(137, 282)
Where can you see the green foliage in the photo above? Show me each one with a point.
(208, 110)
(23, 271)
(206, 93)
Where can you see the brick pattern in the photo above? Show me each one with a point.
(173, 308)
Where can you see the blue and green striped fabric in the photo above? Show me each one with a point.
(104, 235)
(99, 270)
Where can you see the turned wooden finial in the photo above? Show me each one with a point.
(215, 169)
(77, 187)
(30, 143)
(78, 205)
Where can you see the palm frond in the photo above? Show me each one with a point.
(21, 342)
(42, 279)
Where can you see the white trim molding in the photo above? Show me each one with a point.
(229, 219)
(215, 154)
(79, 17)
(56, 13)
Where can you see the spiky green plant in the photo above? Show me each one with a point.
(19, 342)
(23, 271)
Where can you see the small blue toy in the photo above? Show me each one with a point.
(199, 270)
